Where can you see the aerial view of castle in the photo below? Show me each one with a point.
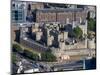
(52, 37)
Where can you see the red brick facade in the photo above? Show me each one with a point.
(60, 16)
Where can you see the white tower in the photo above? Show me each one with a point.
(62, 45)
(38, 35)
(50, 40)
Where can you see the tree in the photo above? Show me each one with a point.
(77, 32)
(48, 56)
(14, 59)
(17, 48)
(31, 54)
(91, 24)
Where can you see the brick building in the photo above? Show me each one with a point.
(66, 15)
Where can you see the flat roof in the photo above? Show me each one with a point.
(61, 10)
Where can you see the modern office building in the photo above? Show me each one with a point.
(18, 12)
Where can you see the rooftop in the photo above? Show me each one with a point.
(61, 10)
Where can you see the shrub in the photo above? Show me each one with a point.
(48, 56)
(31, 54)
(17, 48)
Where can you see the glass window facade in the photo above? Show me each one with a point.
(18, 14)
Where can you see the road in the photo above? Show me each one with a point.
(74, 52)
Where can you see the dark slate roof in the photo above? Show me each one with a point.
(34, 42)
(61, 10)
